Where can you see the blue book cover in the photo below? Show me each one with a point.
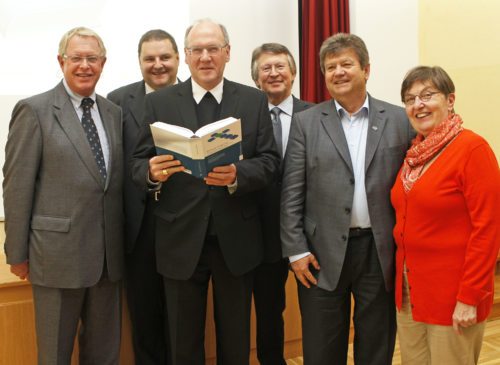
(216, 144)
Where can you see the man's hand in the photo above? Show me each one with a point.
(21, 270)
(162, 167)
(301, 270)
(222, 175)
(464, 315)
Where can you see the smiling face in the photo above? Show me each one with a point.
(207, 69)
(159, 63)
(345, 78)
(275, 77)
(426, 115)
(82, 76)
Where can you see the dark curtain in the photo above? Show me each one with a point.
(318, 19)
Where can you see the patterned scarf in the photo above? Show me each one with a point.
(423, 150)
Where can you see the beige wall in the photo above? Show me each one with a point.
(463, 37)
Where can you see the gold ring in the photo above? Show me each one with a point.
(164, 172)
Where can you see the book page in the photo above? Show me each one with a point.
(212, 127)
(181, 131)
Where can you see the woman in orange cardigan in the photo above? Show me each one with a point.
(447, 201)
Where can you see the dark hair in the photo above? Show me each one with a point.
(436, 75)
(156, 35)
(340, 41)
(274, 48)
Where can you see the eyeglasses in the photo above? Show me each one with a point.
(211, 50)
(409, 100)
(267, 69)
(91, 60)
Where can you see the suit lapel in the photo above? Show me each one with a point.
(376, 126)
(299, 105)
(111, 133)
(229, 100)
(333, 127)
(186, 105)
(67, 118)
(136, 102)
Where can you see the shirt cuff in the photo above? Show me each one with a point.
(294, 258)
(231, 188)
(153, 185)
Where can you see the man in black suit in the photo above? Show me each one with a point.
(208, 228)
(274, 71)
(159, 61)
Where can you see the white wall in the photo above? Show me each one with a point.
(30, 31)
(249, 24)
(390, 31)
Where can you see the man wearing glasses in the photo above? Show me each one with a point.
(159, 62)
(63, 207)
(273, 71)
(208, 228)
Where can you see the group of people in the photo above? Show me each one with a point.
(358, 198)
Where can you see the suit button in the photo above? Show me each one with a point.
(344, 237)
(347, 210)
(351, 181)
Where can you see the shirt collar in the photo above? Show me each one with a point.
(199, 92)
(341, 111)
(286, 105)
(149, 89)
(76, 99)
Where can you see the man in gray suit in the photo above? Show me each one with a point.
(159, 62)
(274, 71)
(63, 207)
(336, 217)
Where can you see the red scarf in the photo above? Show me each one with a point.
(424, 149)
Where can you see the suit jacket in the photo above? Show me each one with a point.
(186, 203)
(131, 99)
(269, 201)
(318, 186)
(60, 214)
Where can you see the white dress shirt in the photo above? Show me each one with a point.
(76, 100)
(356, 131)
(286, 107)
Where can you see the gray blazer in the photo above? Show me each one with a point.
(318, 185)
(59, 212)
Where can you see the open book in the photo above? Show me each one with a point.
(215, 144)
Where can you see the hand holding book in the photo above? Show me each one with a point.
(217, 144)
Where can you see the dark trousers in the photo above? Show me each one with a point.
(187, 304)
(58, 313)
(145, 298)
(269, 301)
(326, 314)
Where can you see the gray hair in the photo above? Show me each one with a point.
(273, 48)
(206, 20)
(80, 32)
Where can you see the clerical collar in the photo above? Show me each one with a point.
(199, 92)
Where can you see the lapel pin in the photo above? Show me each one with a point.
(374, 127)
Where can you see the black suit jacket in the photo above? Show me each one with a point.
(269, 202)
(131, 99)
(186, 202)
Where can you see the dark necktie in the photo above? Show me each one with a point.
(275, 112)
(207, 109)
(92, 135)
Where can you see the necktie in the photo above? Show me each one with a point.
(275, 112)
(92, 136)
(207, 109)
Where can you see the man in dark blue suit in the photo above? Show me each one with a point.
(274, 71)
(159, 61)
(208, 229)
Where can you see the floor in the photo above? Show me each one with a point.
(490, 353)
